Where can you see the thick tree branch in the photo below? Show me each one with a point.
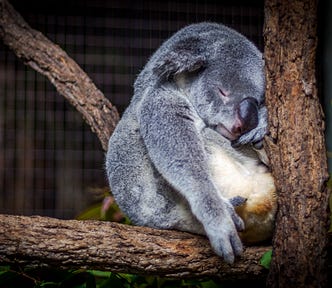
(48, 242)
(69, 79)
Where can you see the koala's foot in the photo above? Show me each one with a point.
(223, 234)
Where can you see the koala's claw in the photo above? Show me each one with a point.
(237, 201)
(238, 222)
(255, 137)
(228, 248)
(258, 145)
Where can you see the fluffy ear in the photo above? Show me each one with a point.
(183, 56)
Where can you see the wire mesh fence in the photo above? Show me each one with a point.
(50, 161)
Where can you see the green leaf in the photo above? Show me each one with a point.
(100, 274)
(48, 285)
(92, 213)
(4, 269)
(266, 259)
(209, 284)
(116, 282)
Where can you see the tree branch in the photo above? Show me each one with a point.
(69, 79)
(70, 244)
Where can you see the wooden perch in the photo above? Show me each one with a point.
(71, 244)
(70, 80)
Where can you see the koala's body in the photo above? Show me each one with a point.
(182, 154)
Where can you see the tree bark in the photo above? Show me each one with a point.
(70, 80)
(71, 244)
(296, 145)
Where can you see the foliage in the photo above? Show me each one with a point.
(11, 277)
(106, 210)
(49, 278)
(266, 259)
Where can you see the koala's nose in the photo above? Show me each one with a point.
(246, 116)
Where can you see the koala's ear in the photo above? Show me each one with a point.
(184, 56)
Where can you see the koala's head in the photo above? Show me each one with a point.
(221, 73)
(229, 91)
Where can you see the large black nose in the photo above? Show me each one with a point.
(246, 116)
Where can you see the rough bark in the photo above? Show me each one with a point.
(70, 80)
(296, 144)
(71, 244)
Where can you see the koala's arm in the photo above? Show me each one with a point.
(170, 129)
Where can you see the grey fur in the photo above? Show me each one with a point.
(186, 102)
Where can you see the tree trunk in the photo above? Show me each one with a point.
(296, 145)
(71, 244)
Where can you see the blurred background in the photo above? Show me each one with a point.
(50, 162)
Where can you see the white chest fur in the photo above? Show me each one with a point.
(234, 178)
(246, 178)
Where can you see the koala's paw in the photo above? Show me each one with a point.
(237, 201)
(224, 238)
(254, 136)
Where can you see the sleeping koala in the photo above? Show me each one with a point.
(182, 156)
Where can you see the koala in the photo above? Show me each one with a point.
(183, 155)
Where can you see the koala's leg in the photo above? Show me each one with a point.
(165, 208)
(139, 190)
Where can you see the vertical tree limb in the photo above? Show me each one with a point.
(296, 144)
(70, 80)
